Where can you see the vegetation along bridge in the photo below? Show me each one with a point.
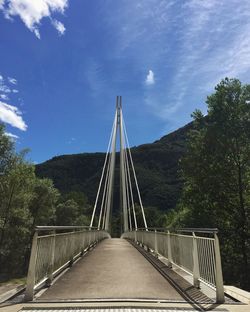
(78, 268)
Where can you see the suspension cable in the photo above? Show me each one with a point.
(104, 196)
(135, 178)
(111, 176)
(131, 190)
(103, 170)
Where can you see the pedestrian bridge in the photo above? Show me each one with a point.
(72, 265)
(143, 265)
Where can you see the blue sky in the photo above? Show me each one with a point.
(62, 63)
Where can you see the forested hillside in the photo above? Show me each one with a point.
(156, 164)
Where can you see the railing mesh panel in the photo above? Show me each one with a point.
(182, 251)
(55, 250)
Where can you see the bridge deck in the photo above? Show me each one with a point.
(113, 270)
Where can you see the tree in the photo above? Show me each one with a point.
(16, 192)
(67, 213)
(6, 151)
(216, 170)
(82, 201)
(43, 203)
(25, 201)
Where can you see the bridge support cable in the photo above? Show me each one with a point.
(103, 203)
(104, 200)
(129, 191)
(103, 171)
(135, 178)
(123, 197)
(111, 177)
(105, 195)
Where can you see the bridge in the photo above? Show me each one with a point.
(77, 268)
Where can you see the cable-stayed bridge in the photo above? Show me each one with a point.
(76, 268)
(127, 175)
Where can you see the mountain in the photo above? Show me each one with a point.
(156, 165)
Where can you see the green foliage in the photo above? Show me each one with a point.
(43, 203)
(16, 193)
(216, 171)
(70, 213)
(6, 151)
(27, 201)
(67, 212)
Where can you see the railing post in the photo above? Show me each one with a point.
(196, 269)
(135, 235)
(90, 239)
(29, 293)
(52, 259)
(156, 243)
(170, 259)
(83, 243)
(220, 298)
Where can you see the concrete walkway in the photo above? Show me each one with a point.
(113, 270)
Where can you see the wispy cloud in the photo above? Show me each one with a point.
(59, 27)
(11, 115)
(4, 97)
(94, 76)
(12, 136)
(71, 140)
(12, 80)
(4, 88)
(190, 44)
(150, 79)
(6, 85)
(32, 12)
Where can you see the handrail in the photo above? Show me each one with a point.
(61, 227)
(152, 228)
(199, 230)
(188, 230)
(198, 255)
(52, 253)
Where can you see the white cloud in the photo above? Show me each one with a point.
(12, 80)
(11, 115)
(150, 80)
(32, 12)
(212, 43)
(71, 140)
(59, 27)
(11, 135)
(4, 97)
(4, 88)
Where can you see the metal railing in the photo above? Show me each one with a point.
(52, 252)
(197, 253)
